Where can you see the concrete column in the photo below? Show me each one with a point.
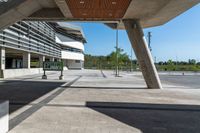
(51, 59)
(41, 60)
(13, 63)
(26, 60)
(142, 53)
(2, 58)
(4, 116)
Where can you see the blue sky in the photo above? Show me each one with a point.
(178, 39)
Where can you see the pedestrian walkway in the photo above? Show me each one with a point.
(90, 101)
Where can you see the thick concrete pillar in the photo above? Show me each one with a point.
(4, 116)
(41, 60)
(2, 58)
(51, 58)
(14, 63)
(26, 60)
(2, 61)
(142, 53)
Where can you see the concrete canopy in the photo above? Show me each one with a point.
(149, 12)
(155, 12)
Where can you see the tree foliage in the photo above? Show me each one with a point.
(124, 63)
(109, 61)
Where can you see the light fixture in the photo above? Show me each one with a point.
(84, 14)
(82, 2)
(114, 2)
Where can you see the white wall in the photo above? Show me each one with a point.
(10, 73)
(72, 55)
(65, 41)
(72, 64)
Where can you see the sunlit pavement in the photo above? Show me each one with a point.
(91, 101)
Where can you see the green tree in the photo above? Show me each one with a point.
(109, 61)
(192, 62)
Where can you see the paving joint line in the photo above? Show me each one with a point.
(21, 117)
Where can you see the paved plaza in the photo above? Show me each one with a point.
(91, 101)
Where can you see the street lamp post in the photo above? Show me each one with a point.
(131, 59)
(117, 49)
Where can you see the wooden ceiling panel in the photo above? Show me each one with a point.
(98, 8)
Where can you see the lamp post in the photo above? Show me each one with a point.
(117, 49)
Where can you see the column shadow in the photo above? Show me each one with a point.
(152, 118)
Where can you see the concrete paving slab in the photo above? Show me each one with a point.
(88, 102)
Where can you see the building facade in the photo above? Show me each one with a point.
(25, 45)
(71, 39)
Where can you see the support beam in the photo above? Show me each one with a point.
(142, 53)
(16, 10)
(62, 5)
(2, 58)
(46, 14)
(26, 60)
(41, 60)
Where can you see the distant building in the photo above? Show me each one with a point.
(71, 39)
(26, 44)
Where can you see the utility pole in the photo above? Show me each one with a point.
(117, 50)
(149, 44)
(155, 59)
(176, 63)
(149, 40)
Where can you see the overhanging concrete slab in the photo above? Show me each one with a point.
(155, 12)
(149, 12)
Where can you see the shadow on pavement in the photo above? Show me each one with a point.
(20, 93)
(152, 118)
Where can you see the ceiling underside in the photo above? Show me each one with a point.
(149, 12)
(97, 9)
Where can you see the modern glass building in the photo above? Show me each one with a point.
(26, 44)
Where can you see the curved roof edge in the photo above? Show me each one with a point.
(70, 30)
